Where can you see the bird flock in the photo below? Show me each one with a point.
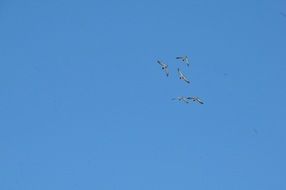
(182, 76)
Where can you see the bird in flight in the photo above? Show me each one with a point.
(182, 76)
(283, 14)
(164, 67)
(182, 99)
(187, 99)
(196, 99)
(185, 59)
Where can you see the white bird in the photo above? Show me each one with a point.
(187, 99)
(182, 99)
(182, 76)
(185, 59)
(164, 67)
(196, 99)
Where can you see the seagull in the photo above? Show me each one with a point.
(186, 99)
(185, 59)
(164, 67)
(182, 99)
(182, 76)
(195, 99)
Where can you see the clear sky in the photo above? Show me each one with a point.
(84, 105)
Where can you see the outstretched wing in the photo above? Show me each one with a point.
(180, 73)
(197, 100)
(186, 80)
(185, 100)
(179, 57)
(160, 63)
(200, 101)
(166, 71)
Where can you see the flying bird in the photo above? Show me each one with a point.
(187, 99)
(164, 67)
(196, 99)
(182, 76)
(182, 99)
(185, 59)
(283, 14)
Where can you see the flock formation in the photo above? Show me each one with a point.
(184, 99)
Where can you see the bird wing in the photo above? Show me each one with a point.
(200, 101)
(166, 71)
(179, 57)
(180, 73)
(186, 101)
(160, 63)
(186, 80)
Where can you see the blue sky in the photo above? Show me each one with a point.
(84, 105)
